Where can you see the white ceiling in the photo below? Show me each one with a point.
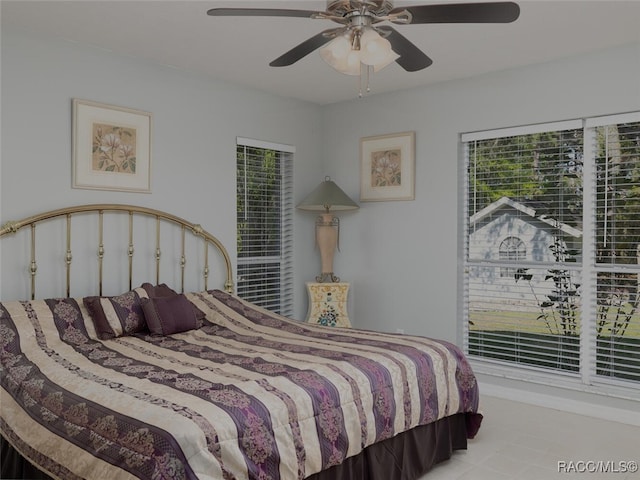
(239, 49)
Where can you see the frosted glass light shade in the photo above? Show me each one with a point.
(339, 55)
(374, 51)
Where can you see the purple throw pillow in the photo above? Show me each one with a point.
(160, 290)
(116, 316)
(168, 315)
(163, 290)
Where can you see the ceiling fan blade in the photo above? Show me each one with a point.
(489, 12)
(305, 48)
(411, 57)
(261, 12)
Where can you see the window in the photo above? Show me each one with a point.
(615, 143)
(265, 224)
(562, 201)
(512, 249)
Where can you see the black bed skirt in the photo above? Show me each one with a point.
(409, 455)
(404, 457)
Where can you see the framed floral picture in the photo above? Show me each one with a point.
(111, 147)
(387, 167)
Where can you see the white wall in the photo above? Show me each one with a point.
(195, 124)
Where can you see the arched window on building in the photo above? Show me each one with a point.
(512, 249)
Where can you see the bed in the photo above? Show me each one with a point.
(162, 381)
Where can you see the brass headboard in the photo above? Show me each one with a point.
(160, 217)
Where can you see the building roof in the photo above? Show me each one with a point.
(504, 202)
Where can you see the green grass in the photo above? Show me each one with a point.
(529, 322)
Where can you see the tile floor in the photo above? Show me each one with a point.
(524, 442)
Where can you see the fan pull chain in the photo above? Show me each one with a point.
(367, 76)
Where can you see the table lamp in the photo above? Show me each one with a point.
(327, 198)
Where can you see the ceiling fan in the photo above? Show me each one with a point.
(360, 38)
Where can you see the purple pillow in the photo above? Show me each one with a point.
(168, 315)
(164, 290)
(160, 290)
(117, 316)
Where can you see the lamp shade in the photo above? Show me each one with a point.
(327, 197)
(345, 52)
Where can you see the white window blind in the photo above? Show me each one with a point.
(566, 300)
(524, 235)
(265, 224)
(615, 144)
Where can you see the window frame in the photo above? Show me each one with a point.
(588, 380)
(284, 258)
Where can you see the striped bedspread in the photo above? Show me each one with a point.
(248, 395)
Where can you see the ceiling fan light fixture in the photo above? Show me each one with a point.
(340, 57)
(339, 47)
(353, 61)
(374, 50)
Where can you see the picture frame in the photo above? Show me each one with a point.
(387, 167)
(111, 147)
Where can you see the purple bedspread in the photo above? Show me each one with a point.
(249, 395)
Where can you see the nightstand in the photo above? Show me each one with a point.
(328, 304)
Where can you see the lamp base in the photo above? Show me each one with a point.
(327, 277)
